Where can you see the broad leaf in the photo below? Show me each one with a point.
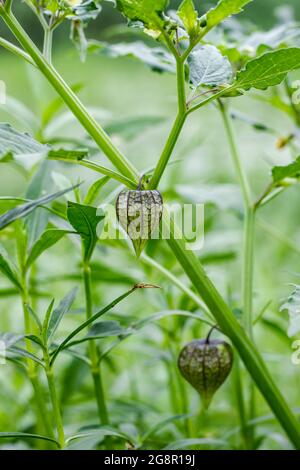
(279, 173)
(268, 70)
(224, 9)
(47, 239)
(25, 209)
(59, 312)
(85, 221)
(8, 269)
(157, 58)
(292, 305)
(209, 67)
(189, 17)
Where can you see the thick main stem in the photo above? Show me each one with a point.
(93, 353)
(187, 259)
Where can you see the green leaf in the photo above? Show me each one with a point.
(224, 9)
(187, 443)
(59, 312)
(25, 209)
(89, 439)
(209, 67)
(189, 17)
(149, 12)
(157, 58)
(8, 269)
(292, 305)
(64, 154)
(47, 239)
(85, 221)
(279, 173)
(269, 69)
(23, 435)
(94, 190)
(104, 329)
(19, 144)
(14, 352)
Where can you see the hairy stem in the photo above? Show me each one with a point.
(93, 353)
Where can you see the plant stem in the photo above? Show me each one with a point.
(248, 262)
(93, 352)
(240, 402)
(54, 401)
(47, 48)
(188, 260)
(16, 50)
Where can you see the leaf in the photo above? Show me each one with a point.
(149, 12)
(94, 190)
(66, 154)
(25, 209)
(59, 312)
(275, 37)
(89, 439)
(292, 305)
(133, 127)
(157, 58)
(209, 67)
(8, 269)
(279, 173)
(224, 9)
(186, 443)
(47, 239)
(19, 144)
(269, 69)
(40, 184)
(189, 17)
(23, 435)
(104, 329)
(15, 352)
(84, 220)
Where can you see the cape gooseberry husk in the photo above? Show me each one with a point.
(139, 213)
(206, 365)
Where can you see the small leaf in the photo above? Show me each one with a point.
(15, 352)
(189, 17)
(85, 221)
(10, 339)
(48, 239)
(8, 269)
(26, 209)
(279, 173)
(94, 190)
(224, 9)
(59, 312)
(209, 67)
(65, 154)
(269, 69)
(104, 329)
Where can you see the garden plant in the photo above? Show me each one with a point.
(101, 336)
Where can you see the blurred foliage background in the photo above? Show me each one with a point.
(117, 90)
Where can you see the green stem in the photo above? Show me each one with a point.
(247, 280)
(16, 50)
(47, 48)
(187, 259)
(54, 401)
(240, 402)
(93, 352)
